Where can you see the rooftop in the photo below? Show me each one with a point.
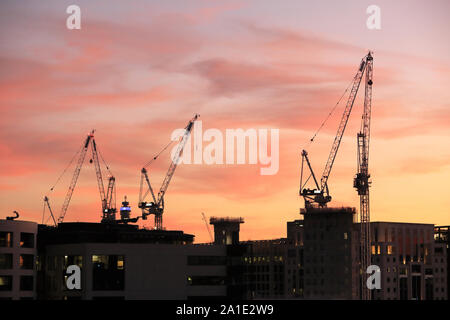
(84, 232)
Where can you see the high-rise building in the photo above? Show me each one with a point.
(331, 254)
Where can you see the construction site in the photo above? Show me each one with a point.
(324, 255)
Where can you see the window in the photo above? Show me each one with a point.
(70, 260)
(206, 260)
(26, 261)
(205, 280)
(27, 240)
(5, 283)
(415, 268)
(389, 249)
(108, 272)
(6, 239)
(26, 283)
(6, 261)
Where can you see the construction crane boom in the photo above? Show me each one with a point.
(175, 160)
(156, 206)
(321, 194)
(75, 176)
(108, 198)
(47, 204)
(342, 125)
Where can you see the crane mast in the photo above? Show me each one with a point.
(98, 173)
(156, 206)
(361, 181)
(109, 204)
(107, 198)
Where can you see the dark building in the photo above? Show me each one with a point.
(125, 262)
(331, 254)
(318, 259)
(226, 230)
(441, 235)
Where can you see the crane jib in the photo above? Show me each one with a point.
(156, 206)
(320, 194)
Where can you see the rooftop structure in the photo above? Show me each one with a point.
(226, 229)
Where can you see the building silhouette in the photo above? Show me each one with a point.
(318, 259)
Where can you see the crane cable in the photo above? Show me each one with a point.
(59, 179)
(323, 124)
(158, 154)
(330, 113)
(104, 162)
(65, 170)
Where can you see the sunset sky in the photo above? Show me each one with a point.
(137, 70)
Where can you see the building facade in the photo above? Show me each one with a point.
(413, 265)
(318, 259)
(331, 254)
(17, 259)
(124, 262)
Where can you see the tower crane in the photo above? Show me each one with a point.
(156, 205)
(107, 198)
(75, 176)
(361, 181)
(320, 195)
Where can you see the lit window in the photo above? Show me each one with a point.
(389, 249)
(120, 263)
(27, 240)
(6, 239)
(70, 260)
(26, 261)
(5, 283)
